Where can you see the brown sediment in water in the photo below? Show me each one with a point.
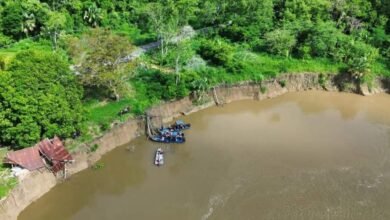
(37, 184)
(303, 152)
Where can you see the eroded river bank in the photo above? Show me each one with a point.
(305, 155)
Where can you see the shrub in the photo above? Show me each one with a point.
(263, 89)
(40, 98)
(322, 79)
(217, 52)
(98, 166)
(155, 85)
(280, 42)
(93, 148)
(105, 126)
(360, 59)
(5, 40)
(282, 83)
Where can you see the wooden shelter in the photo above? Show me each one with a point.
(27, 158)
(50, 150)
(55, 153)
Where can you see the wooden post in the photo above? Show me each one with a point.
(215, 97)
(65, 170)
(148, 129)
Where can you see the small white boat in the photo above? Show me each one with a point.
(159, 158)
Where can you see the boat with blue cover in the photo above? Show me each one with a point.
(179, 125)
(162, 139)
(169, 137)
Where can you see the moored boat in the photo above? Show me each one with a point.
(170, 139)
(178, 126)
(159, 158)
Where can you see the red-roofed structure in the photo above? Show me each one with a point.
(27, 158)
(52, 150)
(55, 152)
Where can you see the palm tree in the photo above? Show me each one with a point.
(28, 23)
(92, 15)
(201, 86)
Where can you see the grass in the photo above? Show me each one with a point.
(3, 152)
(98, 166)
(291, 65)
(381, 68)
(5, 59)
(7, 54)
(251, 66)
(6, 182)
(27, 44)
(104, 112)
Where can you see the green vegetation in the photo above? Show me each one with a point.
(39, 98)
(240, 40)
(98, 166)
(93, 148)
(63, 72)
(6, 181)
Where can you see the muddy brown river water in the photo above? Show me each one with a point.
(306, 155)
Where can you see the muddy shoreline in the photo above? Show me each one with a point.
(36, 184)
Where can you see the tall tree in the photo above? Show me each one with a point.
(360, 58)
(23, 18)
(165, 21)
(12, 19)
(54, 25)
(98, 56)
(39, 97)
(280, 42)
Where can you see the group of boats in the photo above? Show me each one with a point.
(170, 134)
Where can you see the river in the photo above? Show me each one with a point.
(304, 155)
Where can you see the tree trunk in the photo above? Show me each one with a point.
(162, 46)
(117, 97)
(177, 69)
(114, 91)
(55, 40)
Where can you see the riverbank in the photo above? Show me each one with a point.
(36, 184)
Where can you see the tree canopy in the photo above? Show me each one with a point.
(98, 54)
(58, 55)
(39, 97)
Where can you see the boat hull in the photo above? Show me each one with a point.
(160, 139)
(159, 157)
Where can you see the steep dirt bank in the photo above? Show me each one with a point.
(37, 183)
(246, 90)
